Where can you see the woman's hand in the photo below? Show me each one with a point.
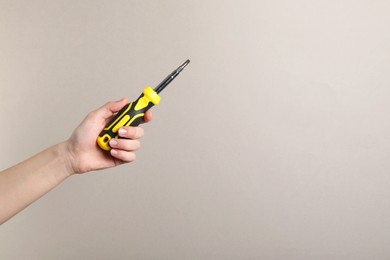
(84, 153)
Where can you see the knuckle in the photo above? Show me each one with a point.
(141, 131)
(131, 157)
(130, 131)
(125, 156)
(137, 144)
(130, 145)
(134, 132)
(127, 146)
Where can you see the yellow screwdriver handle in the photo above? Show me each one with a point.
(130, 115)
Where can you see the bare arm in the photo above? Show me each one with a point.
(27, 181)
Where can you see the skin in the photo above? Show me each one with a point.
(29, 180)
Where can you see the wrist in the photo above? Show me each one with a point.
(64, 155)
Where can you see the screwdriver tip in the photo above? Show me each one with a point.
(183, 65)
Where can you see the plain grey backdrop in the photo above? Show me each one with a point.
(272, 144)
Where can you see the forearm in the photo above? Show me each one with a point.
(27, 181)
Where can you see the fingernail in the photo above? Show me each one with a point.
(113, 152)
(113, 142)
(122, 131)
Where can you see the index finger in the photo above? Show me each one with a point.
(147, 117)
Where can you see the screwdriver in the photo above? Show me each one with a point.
(133, 113)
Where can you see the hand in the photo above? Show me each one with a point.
(84, 153)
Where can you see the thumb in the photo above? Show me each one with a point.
(110, 108)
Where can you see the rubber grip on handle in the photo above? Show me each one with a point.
(130, 115)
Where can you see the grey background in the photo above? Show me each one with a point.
(272, 144)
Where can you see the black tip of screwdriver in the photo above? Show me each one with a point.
(183, 65)
(170, 77)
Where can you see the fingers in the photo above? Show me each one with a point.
(125, 147)
(122, 155)
(125, 144)
(131, 132)
(147, 116)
